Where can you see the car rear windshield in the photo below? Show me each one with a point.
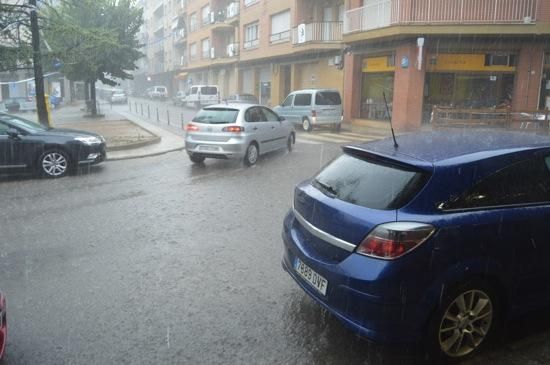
(369, 184)
(216, 116)
(327, 98)
(209, 90)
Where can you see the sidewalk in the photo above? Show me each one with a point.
(127, 135)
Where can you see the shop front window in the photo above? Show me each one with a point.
(467, 90)
(374, 86)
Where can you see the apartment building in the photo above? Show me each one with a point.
(454, 53)
(261, 47)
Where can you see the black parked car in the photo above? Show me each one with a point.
(51, 152)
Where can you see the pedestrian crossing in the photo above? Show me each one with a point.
(340, 138)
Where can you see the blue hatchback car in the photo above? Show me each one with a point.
(434, 242)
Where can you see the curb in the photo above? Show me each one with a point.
(144, 155)
(129, 146)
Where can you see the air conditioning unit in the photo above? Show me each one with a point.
(231, 50)
(212, 53)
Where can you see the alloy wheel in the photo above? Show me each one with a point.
(54, 164)
(465, 323)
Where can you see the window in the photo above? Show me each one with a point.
(193, 51)
(205, 14)
(250, 2)
(280, 27)
(193, 24)
(269, 115)
(209, 90)
(3, 128)
(288, 100)
(254, 115)
(251, 34)
(369, 184)
(216, 116)
(509, 187)
(205, 47)
(302, 100)
(327, 98)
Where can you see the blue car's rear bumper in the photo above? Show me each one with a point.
(362, 292)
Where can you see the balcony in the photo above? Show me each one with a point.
(232, 10)
(180, 36)
(251, 44)
(383, 13)
(317, 32)
(279, 37)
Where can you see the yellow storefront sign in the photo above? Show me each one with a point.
(377, 64)
(449, 62)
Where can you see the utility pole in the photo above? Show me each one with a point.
(37, 62)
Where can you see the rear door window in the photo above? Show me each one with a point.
(216, 116)
(209, 90)
(254, 115)
(525, 182)
(302, 99)
(359, 181)
(327, 98)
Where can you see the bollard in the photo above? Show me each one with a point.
(157, 114)
(168, 116)
(182, 122)
(141, 105)
(148, 112)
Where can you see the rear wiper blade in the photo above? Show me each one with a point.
(329, 189)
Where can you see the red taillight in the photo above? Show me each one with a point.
(191, 128)
(392, 240)
(233, 129)
(313, 113)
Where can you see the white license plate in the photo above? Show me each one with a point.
(209, 148)
(314, 279)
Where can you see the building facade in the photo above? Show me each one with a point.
(454, 53)
(261, 47)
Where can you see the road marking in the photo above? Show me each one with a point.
(334, 138)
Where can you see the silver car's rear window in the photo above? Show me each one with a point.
(216, 116)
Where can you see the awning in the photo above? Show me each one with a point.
(181, 75)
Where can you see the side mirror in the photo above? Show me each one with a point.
(12, 132)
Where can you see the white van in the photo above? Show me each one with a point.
(200, 95)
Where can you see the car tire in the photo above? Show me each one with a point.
(197, 158)
(465, 322)
(306, 125)
(290, 142)
(54, 163)
(251, 154)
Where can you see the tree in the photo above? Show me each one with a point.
(15, 47)
(95, 40)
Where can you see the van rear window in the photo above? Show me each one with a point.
(216, 116)
(327, 98)
(369, 184)
(209, 90)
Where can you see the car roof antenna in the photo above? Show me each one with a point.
(395, 145)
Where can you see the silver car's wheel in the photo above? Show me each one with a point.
(465, 323)
(54, 164)
(306, 124)
(251, 156)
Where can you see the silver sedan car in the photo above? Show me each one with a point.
(237, 131)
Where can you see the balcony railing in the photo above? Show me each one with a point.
(251, 44)
(179, 35)
(317, 32)
(382, 13)
(279, 37)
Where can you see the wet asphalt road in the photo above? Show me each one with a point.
(157, 261)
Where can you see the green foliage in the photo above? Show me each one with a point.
(95, 39)
(15, 47)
